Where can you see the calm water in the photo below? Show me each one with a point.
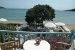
(18, 15)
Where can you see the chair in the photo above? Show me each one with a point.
(60, 49)
(67, 46)
(63, 45)
(10, 42)
(60, 45)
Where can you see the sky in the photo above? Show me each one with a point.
(27, 4)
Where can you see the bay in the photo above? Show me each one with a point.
(18, 15)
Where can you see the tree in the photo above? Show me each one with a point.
(39, 13)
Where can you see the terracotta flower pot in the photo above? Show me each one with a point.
(38, 40)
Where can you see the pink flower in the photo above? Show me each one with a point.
(58, 40)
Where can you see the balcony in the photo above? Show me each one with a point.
(22, 36)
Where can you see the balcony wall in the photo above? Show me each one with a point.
(22, 36)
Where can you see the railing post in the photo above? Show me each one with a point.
(19, 39)
(72, 36)
(40, 35)
(24, 37)
(3, 38)
(51, 38)
(8, 39)
(46, 37)
(14, 39)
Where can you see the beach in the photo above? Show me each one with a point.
(14, 22)
(69, 26)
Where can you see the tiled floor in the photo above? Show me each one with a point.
(73, 45)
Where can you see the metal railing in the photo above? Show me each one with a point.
(66, 36)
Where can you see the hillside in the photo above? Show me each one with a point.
(71, 10)
(2, 7)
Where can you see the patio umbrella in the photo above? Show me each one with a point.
(50, 25)
(60, 24)
(24, 25)
(3, 19)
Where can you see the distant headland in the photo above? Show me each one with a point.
(73, 10)
(2, 7)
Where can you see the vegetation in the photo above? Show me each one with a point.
(71, 10)
(39, 13)
(6, 27)
(9, 26)
(2, 7)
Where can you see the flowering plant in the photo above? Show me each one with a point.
(38, 40)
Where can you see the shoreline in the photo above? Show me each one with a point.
(69, 26)
(14, 22)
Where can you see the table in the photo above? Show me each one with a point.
(0, 49)
(31, 45)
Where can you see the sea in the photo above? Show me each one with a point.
(18, 15)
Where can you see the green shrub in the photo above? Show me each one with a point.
(6, 27)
